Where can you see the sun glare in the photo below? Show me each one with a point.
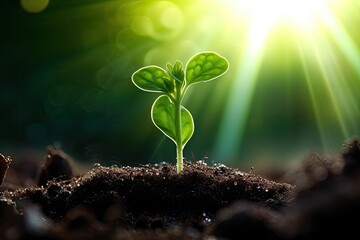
(313, 28)
(298, 13)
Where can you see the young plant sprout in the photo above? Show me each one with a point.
(167, 113)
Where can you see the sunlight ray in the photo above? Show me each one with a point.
(330, 78)
(344, 96)
(239, 100)
(315, 104)
(342, 38)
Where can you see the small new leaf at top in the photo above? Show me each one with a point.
(176, 71)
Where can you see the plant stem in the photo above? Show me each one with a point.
(179, 146)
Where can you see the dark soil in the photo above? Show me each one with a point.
(320, 200)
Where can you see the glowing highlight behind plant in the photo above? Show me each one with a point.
(299, 13)
(309, 23)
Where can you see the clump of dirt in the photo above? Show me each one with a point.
(325, 205)
(154, 202)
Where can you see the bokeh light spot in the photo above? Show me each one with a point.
(142, 25)
(34, 6)
(161, 20)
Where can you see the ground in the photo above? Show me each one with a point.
(317, 199)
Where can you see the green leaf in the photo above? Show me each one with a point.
(163, 116)
(169, 68)
(176, 71)
(151, 79)
(205, 66)
(169, 84)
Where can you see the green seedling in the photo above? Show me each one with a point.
(167, 113)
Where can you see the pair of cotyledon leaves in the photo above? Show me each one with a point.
(202, 67)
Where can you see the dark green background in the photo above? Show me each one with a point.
(65, 79)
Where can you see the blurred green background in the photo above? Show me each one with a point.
(293, 86)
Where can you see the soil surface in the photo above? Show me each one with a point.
(320, 199)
